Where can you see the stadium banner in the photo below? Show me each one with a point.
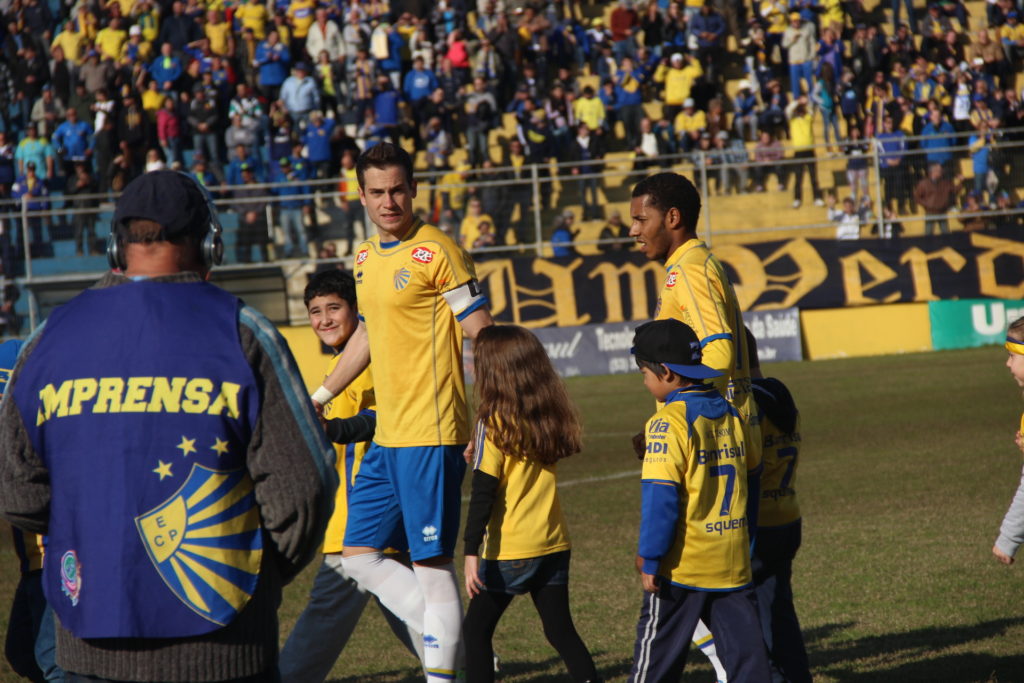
(796, 273)
(972, 322)
(603, 349)
(866, 331)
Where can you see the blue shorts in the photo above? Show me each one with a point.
(517, 577)
(417, 489)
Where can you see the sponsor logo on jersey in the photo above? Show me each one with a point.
(401, 278)
(429, 533)
(422, 255)
(361, 256)
(71, 576)
(670, 281)
(430, 641)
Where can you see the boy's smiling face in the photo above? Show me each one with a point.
(1015, 363)
(333, 319)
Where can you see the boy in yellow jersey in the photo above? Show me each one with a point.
(694, 549)
(778, 525)
(335, 600)
(418, 297)
(30, 646)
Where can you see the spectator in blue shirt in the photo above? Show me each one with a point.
(35, 190)
(166, 69)
(272, 59)
(418, 83)
(392, 65)
(385, 106)
(629, 98)
(293, 206)
(74, 141)
(895, 180)
(241, 160)
(709, 27)
(744, 107)
(318, 143)
(300, 94)
(938, 136)
(562, 237)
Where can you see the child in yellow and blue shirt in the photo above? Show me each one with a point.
(694, 548)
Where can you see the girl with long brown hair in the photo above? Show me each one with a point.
(526, 423)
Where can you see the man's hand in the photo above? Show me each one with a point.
(639, 445)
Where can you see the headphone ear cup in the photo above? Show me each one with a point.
(115, 255)
(213, 247)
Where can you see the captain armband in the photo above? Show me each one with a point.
(465, 299)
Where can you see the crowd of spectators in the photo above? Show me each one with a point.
(95, 92)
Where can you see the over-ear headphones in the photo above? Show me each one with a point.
(211, 252)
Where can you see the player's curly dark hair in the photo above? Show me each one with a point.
(522, 400)
(669, 190)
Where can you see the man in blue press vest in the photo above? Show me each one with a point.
(157, 430)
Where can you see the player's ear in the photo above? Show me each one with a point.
(412, 188)
(673, 218)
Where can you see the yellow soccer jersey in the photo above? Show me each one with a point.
(301, 14)
(697, 292)
(412, 294)
(695, 465)
(779, 505)
(254, 16)
(526, 520)
(356, 398)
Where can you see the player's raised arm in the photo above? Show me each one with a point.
(355, 360)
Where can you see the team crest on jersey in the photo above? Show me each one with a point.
(402, 276)
(422, 255)
(361, 256)
(670, 281)
(71, 576)
(206, 543)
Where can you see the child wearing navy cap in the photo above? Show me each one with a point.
(694, 549)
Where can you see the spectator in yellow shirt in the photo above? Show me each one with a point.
(218, 32)
(590, 109)
(110, 40)
(689, 125)
(254, 15)
(801, 136)
(678, 74)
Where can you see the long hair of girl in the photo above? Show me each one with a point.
(522, 400)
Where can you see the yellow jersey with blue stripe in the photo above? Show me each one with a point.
(780, 439)
(698, 292)
(412, 294)
(357, 398)
(693, 526)
(526, 520)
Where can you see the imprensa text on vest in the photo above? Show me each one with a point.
(138, 395)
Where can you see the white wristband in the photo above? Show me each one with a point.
(322, 395)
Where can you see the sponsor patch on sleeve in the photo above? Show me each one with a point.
(422, 255)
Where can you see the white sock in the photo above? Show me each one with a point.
(706, 642)
(392, 582)
(442, 620)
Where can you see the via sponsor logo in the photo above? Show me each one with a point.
(422, 255)
(992, 319)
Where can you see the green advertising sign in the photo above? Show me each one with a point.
(972, 322)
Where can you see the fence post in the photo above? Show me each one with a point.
(879, 199)
(535, 182)
(702, 162)
(25, 239)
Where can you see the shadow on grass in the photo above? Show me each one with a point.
(909, 657)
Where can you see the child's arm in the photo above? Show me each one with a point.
(359, 427)
(481, 500)
(659, 514)
(1011, 533)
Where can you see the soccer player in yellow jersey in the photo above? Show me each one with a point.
(665, 208)
(694, 549)
(778, 525)
(418, 298)
(335, 600)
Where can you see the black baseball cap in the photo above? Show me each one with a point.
(169, 198)
(674, 345)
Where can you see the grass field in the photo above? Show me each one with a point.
(908, 465)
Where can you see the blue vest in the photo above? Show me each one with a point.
(140, 402)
